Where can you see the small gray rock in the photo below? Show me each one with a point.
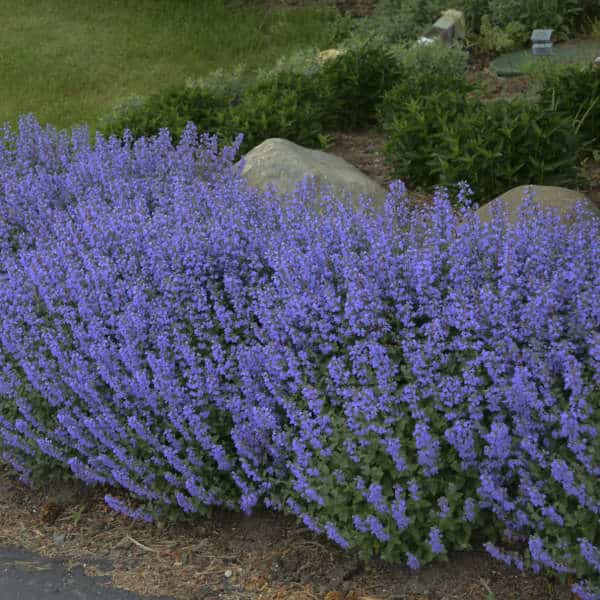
(59, 539)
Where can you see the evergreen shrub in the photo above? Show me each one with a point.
(493, 39)
(424, 70)
(564, 16)
(170, 332)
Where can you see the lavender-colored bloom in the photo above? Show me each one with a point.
(310, 523)
(505, 557)
(168, 329)
(444, 507)
(121, 507)
(360, 524)
(427, 448)
(591, 553)
(374, 496)
(470, 508)
(413, 488)
(412, 562)
(399, 511)
(435, 541)
(334, 535)
(377, 529)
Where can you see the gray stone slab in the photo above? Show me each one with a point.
(27, 576)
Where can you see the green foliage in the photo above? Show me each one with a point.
(593, 28)
(297, 99)
(228, 83)
(474, 11)
(493, 39)
(413, 126)
(426, 69)
(403, 20)
(445, 138)
(565, 16)
(303, 62)
(354, 83)
(343, 28)
(560, 15)
(172, 109)
(288, 105)
(574, 91)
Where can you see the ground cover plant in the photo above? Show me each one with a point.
(173, 333)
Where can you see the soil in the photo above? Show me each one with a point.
(229, 556)
(266, 556)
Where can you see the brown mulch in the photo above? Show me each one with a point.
(229, 556)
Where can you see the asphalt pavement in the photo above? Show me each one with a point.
(27, 576)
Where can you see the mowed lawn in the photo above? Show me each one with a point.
(68, 62)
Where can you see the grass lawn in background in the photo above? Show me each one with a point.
(68, 62)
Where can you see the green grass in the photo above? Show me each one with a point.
(69, 61)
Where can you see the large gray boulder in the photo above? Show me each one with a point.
(283, 163)
(546, 196)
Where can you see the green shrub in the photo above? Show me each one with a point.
(565, 16)
(229, 83)
(474, 11)
(298, 99)
(574, 91)
(403, 20)
(288, 105)
(443, 138)
(354, 83)
(426, 69)
(303, 62)
(561, 15)
(413, 125)
(172, 109)
(493, 39)
(343, 28)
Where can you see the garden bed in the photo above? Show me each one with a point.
(269, 556)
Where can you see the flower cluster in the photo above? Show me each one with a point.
(397, 378)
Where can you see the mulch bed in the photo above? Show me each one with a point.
(229, 556)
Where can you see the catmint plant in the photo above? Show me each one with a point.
(403, 380)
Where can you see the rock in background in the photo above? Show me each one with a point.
(284, 164)
(546, 196)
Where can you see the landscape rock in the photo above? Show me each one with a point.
(330, 54)
(282, 163)
(449, 27)
(545, 196)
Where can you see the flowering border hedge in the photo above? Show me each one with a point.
(404, 381)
